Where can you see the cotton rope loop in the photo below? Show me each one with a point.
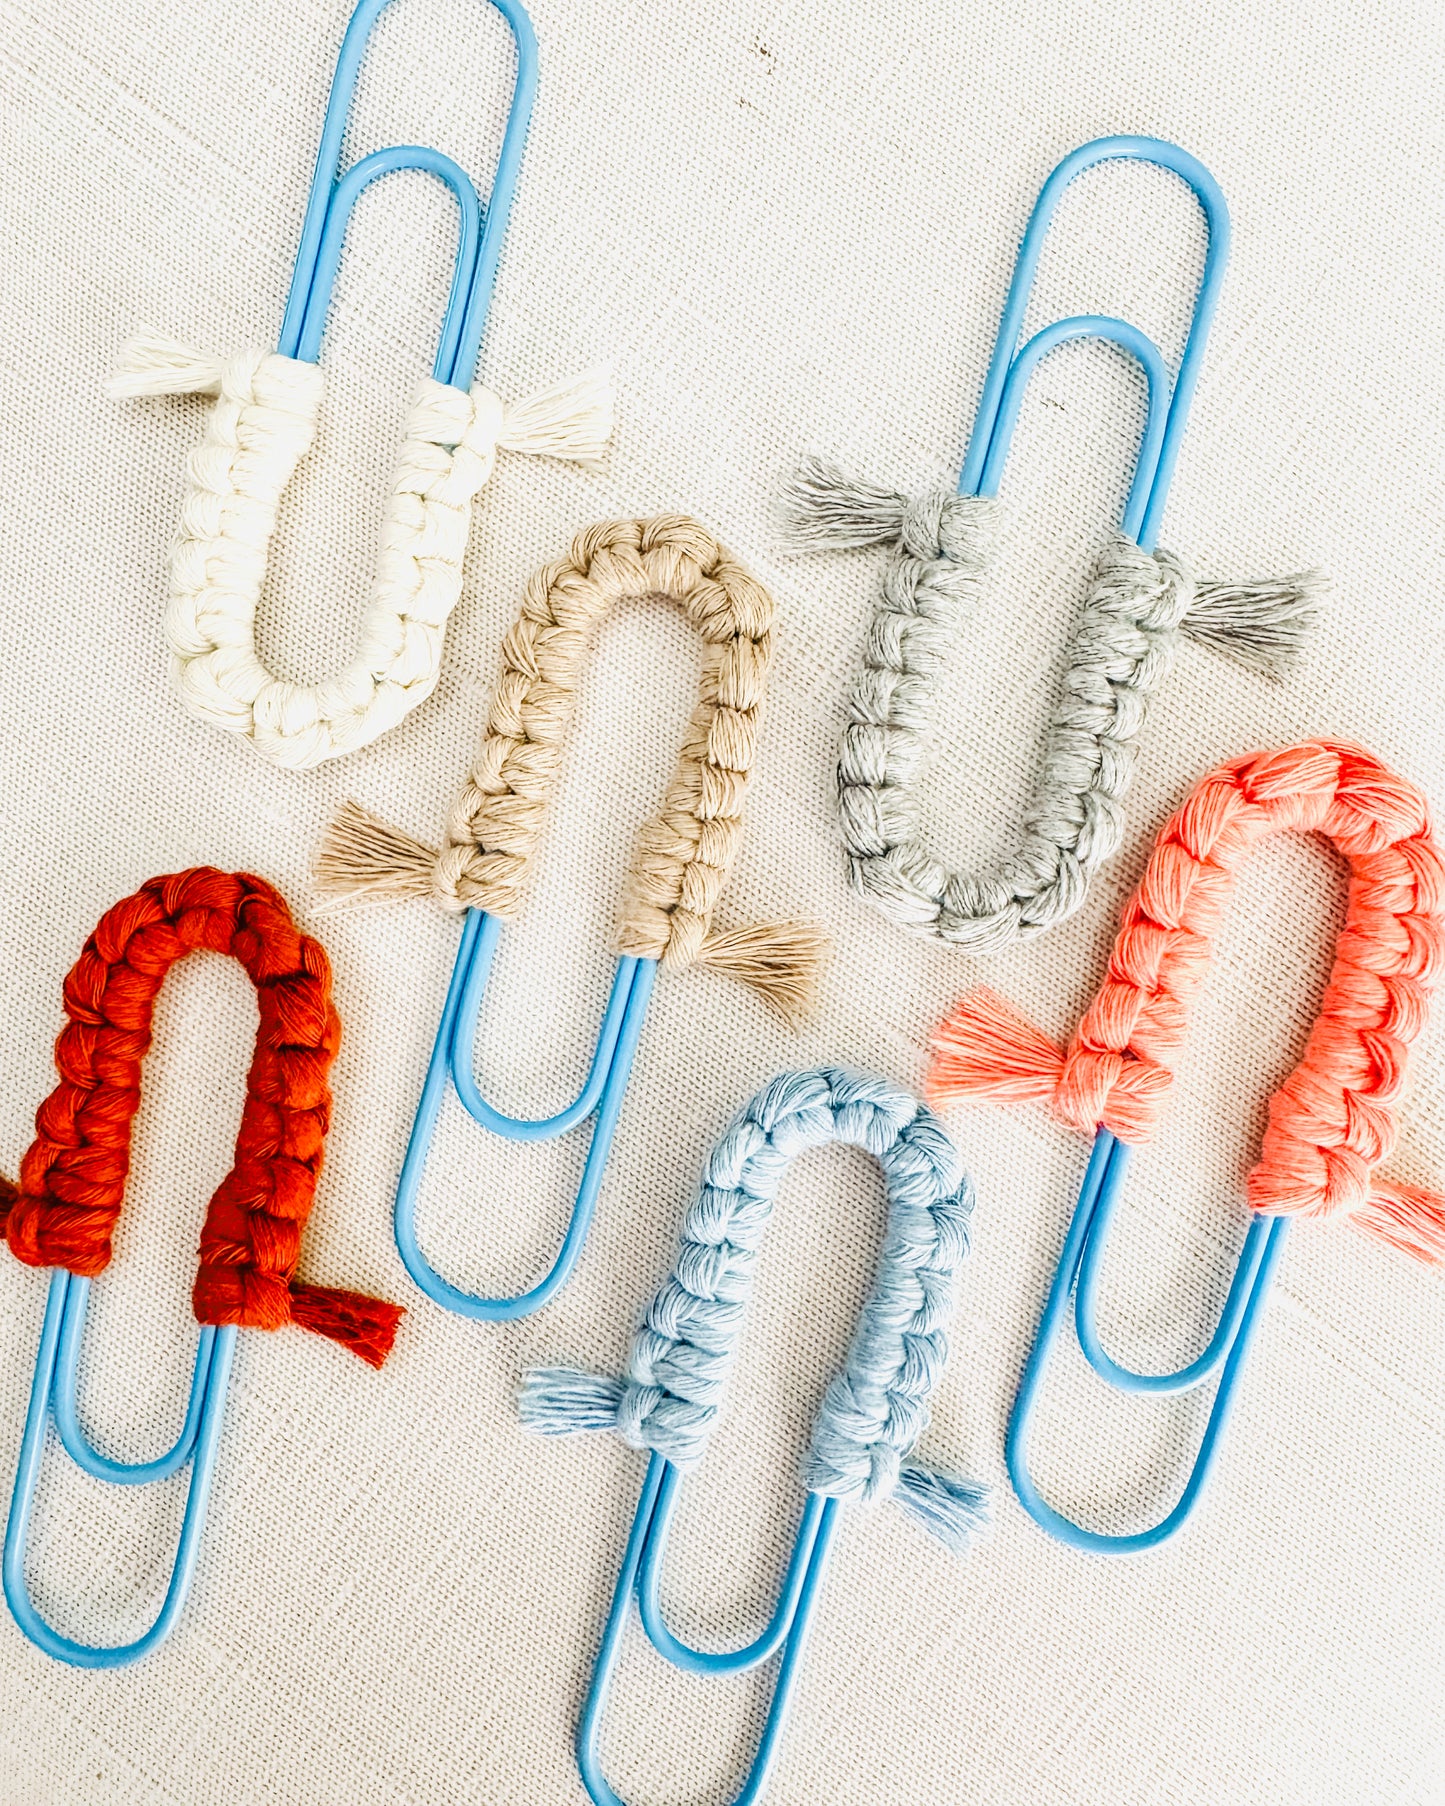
(72, 1181)
(686, 851)
(1332, 1122)
(876, 1409)
(945, 548)
(261, 427)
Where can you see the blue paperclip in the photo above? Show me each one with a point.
(1225, 1355)
(1011, 365)
(871, 1413)
(600, 1098)
(52, 1393)
(1008, 374)
(480, 232)
(787, 1632)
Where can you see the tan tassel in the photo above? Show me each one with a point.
(363, 857)
(782, 961)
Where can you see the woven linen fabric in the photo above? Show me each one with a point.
(787, 228)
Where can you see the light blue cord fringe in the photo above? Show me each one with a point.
(876, 1409)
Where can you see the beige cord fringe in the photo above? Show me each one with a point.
(685, 852)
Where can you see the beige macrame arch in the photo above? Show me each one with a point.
(686, 850)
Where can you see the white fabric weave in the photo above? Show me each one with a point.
(784, 228)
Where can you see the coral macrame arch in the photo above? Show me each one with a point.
(1333, 1120)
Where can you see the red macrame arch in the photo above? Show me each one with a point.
(72, 1180)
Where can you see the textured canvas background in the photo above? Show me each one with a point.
(786, 225)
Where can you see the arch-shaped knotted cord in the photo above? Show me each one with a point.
(876, 1409)
(684, 852)
(263, 424)
(72, 1180)
(1138, 603)
(1333, 1120)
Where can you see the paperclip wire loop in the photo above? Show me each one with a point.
(684, 852)
(1011, 366)
(815, 1533)
(872, 1413)
(1331, 1123)
(72, 1187)
(1228, 1349)
(1156, 378)
(804, 1579)
(1243, 1290)
(464, 1033)
(333, 195)
(600, 1098)
(64, 1318)
(945, 549)
(348, 191)
(73, 1438)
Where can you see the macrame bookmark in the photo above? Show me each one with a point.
(683, 857)
(261, 427)
(1331, 1123)
(1139, 604)
(263, 424)
(72, 1180)
(72, 1186)
(873, 1412)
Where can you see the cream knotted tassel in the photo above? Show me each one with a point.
(263, 424)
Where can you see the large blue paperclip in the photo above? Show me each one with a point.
(1167, 406)
(52, 1396)
(872, 1413)
(480, 231)
(600, 1098)
(1167, 410)
(1079, 1267)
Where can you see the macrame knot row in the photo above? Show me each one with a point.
(263, 424)
(1333, 1119)
(686, 851)
(945, 548)
(72, 1180)
(876, 1409)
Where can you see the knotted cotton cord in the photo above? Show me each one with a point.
(686, 851)
(1121, 650)
(262, 425)
(72, 1180)
(1332, 1121)
(876, 1409)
